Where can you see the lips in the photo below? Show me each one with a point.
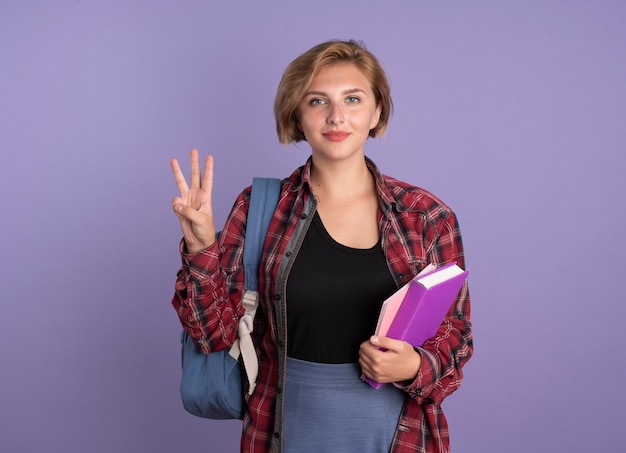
(336, 136)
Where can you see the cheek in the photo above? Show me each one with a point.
(309, 122)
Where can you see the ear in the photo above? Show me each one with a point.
(376, 117)
(296, 120)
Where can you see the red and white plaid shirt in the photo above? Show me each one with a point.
(416, 229)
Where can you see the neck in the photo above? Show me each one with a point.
(341, 181)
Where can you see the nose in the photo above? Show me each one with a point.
(335, 114)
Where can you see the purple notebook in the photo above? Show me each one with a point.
(427, 300)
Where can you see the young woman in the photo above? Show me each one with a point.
(343, 238)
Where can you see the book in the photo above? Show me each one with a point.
(391, 305)
(415, 312)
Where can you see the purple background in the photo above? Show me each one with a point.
(514, 113)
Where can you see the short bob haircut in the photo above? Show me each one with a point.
(301, 72)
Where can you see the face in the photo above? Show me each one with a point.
(337, 112)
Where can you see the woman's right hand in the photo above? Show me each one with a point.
(193, 207)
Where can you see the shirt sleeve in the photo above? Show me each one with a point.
(444, 355)
(209, 285)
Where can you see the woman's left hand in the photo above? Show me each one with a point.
(387, 360)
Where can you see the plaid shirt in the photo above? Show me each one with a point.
(416, 229)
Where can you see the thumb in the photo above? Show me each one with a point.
(386, 343)
(177, 206)
(189, 213)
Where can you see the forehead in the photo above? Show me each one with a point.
(340, 76)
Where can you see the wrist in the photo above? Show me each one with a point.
(416, 363)
(194, 248)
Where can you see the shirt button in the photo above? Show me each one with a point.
(279, 390)
(277, 296)
(288, 254)
(277, 435)
(303, 216)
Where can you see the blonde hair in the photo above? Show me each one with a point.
(301, 72)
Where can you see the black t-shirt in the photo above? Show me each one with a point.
(334, 295)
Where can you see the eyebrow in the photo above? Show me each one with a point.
(321, 93)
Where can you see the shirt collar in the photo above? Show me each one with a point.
(387, 197)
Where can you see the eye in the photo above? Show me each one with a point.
(352, 99)
(317, 101)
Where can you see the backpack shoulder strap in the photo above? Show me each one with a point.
(263, 201)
